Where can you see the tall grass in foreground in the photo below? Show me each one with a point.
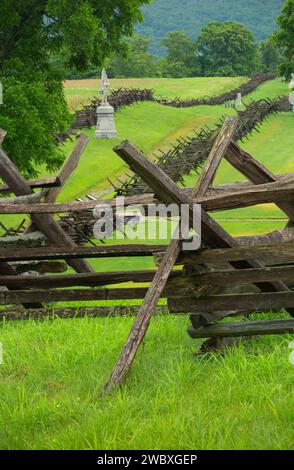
(52, 389)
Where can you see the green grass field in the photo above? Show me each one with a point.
(270, 89)
(53, 372)
(149, 126)
(79, 91)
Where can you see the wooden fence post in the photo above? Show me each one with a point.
(146, 311)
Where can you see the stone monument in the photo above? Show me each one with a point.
(239, 100)
(105, 113)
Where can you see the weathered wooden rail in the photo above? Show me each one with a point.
(226, 277)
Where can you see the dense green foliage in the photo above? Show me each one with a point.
(137, 62)
(227, 49)
(222, 49)
(32, 34)
(180, 59)
(33, 112)
(164, 16)
(285, 38)
(270, 54)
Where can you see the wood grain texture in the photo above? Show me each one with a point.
(268, 254)
(84, 279)
(255, 172)
(264, 302)
(212, 233)
(42, 183)
(24, 200)
(41, 267)
(10, 297)
(234, 278)
(79, 252)
(239, 329)
(212, 201)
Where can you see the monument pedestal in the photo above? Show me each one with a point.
(105, 122)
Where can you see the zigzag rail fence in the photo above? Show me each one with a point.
(258, 271)
(123, 97)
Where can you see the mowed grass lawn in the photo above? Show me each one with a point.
(271, 89)
(79, 91)
(149, 126)
(53, 371)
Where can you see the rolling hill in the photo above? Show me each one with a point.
(191, 15)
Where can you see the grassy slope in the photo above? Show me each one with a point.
(79, 91)
(270, 89)
(159, 127)
(149, 126)
(53, 372)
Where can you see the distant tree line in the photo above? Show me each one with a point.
(222, 49)
(163, 16)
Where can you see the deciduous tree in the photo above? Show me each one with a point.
(227, 49)
(285, 38)
(32, 34)
(137, 62)
(180, 59)
(270, 55)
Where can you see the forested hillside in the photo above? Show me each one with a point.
(163, 16)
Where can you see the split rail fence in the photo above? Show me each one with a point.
(226, 277)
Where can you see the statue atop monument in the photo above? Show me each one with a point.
(239, 101)
(105, 85)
